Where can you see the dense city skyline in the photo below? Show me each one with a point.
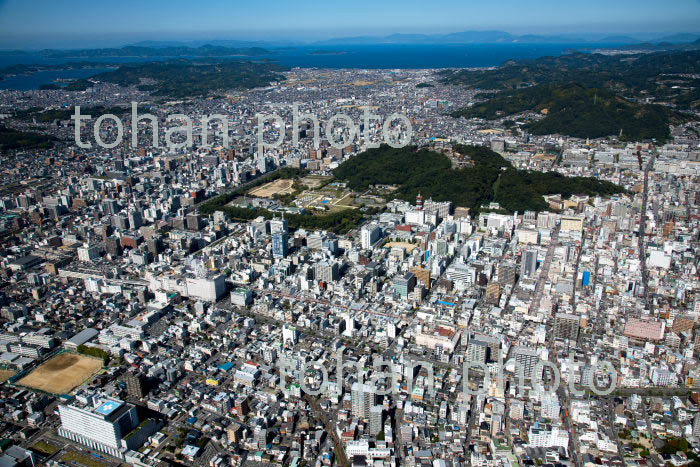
(325, 244)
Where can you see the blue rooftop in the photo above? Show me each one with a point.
(108, 407)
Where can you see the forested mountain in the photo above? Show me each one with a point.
(665, 76)
(185, 78)
(578, 111)
(491, 178)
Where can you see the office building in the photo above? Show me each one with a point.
(369, 235)
(280, 243)
(279, 226)
(315, 241)
(404, 285)
(529, 264)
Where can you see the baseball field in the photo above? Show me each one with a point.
(62, 373)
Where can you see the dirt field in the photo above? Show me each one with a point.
(314, 181)
(408, 246)
(282, 186)
(5, 375)
(62, 374)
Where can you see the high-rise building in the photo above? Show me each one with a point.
(135, 219)
(683, 323)
(566, 326)
(363, 398)
(529, 263)
(121, 222)
(331, 245)
(136, 385)
(326, 271)
(441, 208)
(527, 359)
(696, 425)
(422, 275)
(98, 423)
(154, 245)
(376, 419)
(506, 273)
(112, 246)
(493, 292)
(349, 325)
(289, 335)
(482, 347)
(369, 235)
(193, 222)
(280, 243)
(88, 253)
(315, 241)
(279, 226)
(404, 285)
(477, 351)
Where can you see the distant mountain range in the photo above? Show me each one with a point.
(207, 50)
(227, 47)
(165, 50)
(662, 46)
(486, 37)
(464, 37)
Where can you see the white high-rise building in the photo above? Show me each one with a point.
(99, 424)
(369, 235)
(88, 253)
(279, 226)
(362, 396)
(547, 436)
(349, 325)
(289, 335)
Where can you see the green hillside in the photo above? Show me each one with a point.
(669, 76)
(185, 78)
(492, 178)
(14, 139)
(578, 111)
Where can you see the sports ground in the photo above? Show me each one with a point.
(62, 373)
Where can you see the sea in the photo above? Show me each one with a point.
(375, 56)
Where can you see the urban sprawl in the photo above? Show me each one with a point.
(143, 323)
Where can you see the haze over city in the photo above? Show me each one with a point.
(44, 24)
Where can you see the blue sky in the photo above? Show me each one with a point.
(43, 22)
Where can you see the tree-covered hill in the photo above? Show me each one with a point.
(185, 78)
(206, 50)
(491, 178)
(578, 111)
(666, 76)
(520, 190)
(14, 139)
